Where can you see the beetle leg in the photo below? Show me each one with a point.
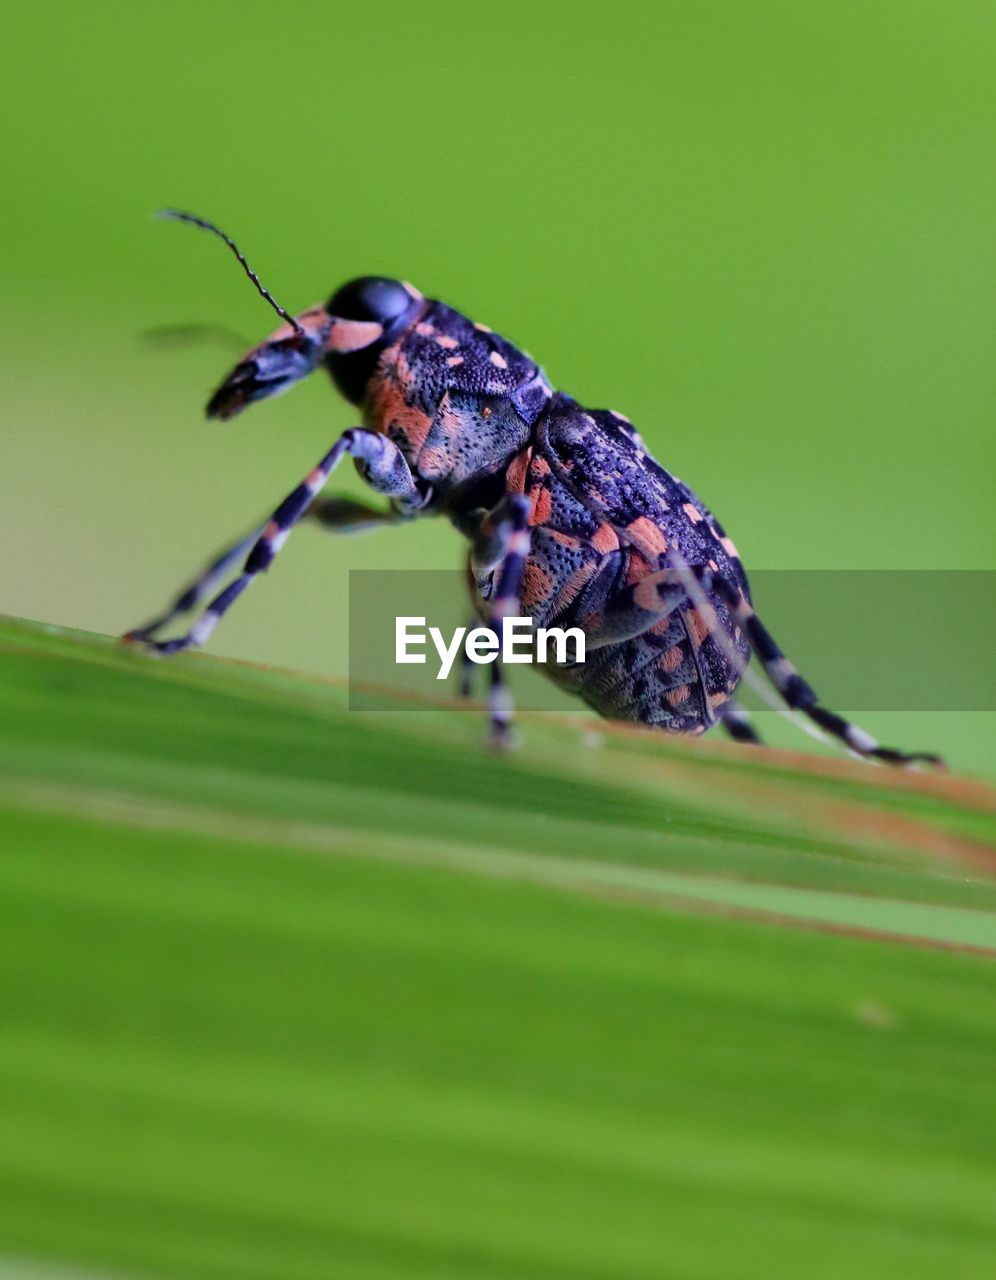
(348, 516)
(490, 542)
(737, 723)
(467, 665)
(799, 694)
(502, 545)
(341, 515)
(198, 591)
(497, 676)
(381, 464)
(501, 708)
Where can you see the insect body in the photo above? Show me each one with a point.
(570, 520)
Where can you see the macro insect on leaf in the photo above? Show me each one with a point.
(570, 520)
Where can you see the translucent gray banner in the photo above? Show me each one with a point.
(884, 640)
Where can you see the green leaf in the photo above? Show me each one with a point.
(289, 990)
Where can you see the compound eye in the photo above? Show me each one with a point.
(370, 298)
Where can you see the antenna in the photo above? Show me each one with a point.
(205, 225)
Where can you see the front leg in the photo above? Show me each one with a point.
(382, 466)
(336, 514)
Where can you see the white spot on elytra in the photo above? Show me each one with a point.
(498, 361)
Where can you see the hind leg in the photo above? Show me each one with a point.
(738, 725)
(800, 695)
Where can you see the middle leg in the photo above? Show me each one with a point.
(501, 547)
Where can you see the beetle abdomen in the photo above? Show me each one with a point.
(604, 517)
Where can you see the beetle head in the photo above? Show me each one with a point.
(347, 335)
(366, 316)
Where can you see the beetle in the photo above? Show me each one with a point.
(569, 518)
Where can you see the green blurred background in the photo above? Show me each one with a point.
(762, 231)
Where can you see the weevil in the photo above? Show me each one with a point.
(569, 518)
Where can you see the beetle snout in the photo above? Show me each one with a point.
(266, 371)
(276, 364)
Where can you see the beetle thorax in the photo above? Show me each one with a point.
(457, 399)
